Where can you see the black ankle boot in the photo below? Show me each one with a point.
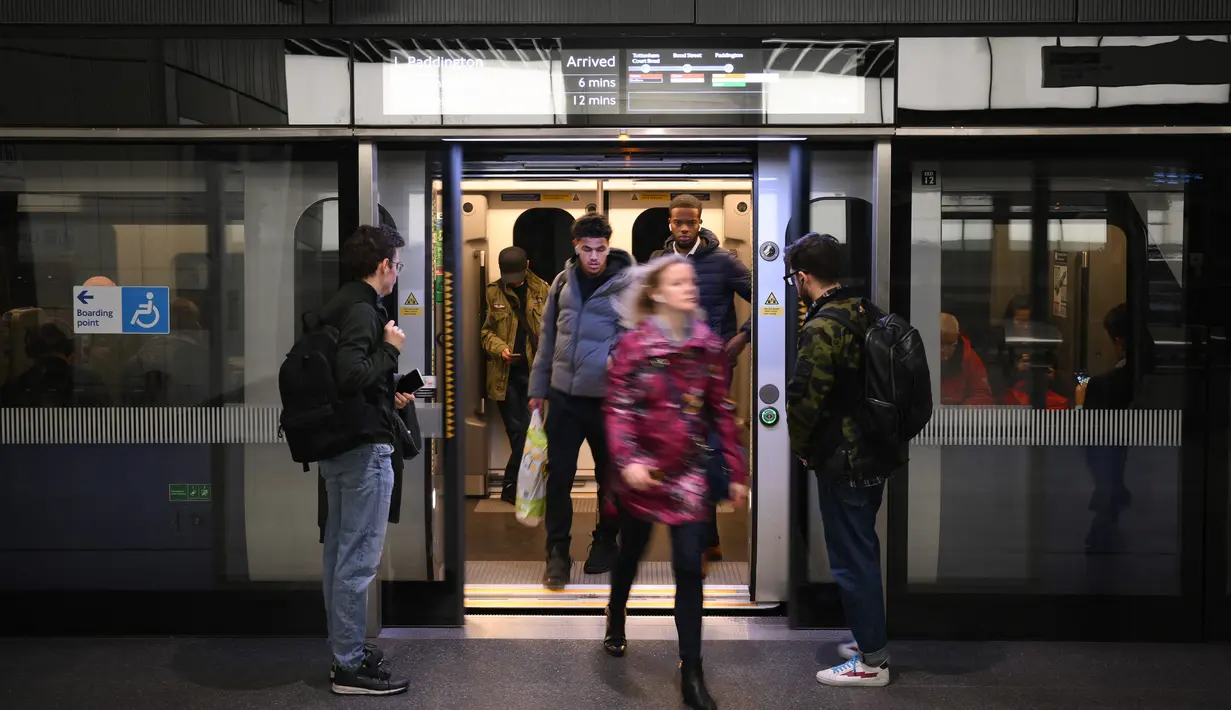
(615, 642)
(692, 683)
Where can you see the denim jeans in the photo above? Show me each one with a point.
(849, 518)
(359, 484)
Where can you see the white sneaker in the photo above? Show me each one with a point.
(848, 649)
(855, 673)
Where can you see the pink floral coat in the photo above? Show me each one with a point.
(651, 422)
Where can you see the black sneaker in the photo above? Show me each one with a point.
(371, 654)
(602, 556)
(367, 680)
(558, 568)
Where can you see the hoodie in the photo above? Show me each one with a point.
(720, 278)
(580, 331)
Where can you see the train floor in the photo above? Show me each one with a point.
(541, 663)
(505, 562)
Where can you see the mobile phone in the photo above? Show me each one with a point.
(411, 382)
(1083, 379)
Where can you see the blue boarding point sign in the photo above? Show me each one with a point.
(134, 310)
(145, 309)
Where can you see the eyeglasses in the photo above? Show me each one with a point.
(396, 266)
(790, 277)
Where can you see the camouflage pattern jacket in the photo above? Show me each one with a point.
(824, 391)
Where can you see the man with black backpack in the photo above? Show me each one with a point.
(340, 409)
(859, 393)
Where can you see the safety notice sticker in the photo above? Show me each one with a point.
(772, 307)
(413, 305)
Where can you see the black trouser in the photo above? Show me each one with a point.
(570, 421)
(687, 547)
(515, 410)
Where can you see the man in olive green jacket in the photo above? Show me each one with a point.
(515, 304)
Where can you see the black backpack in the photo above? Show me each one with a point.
(317, 421)
(896, 401)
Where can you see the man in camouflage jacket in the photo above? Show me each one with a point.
(821, 401)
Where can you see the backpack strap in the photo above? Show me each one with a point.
(842, 319)
(556, 298)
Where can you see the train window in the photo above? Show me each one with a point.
(317, 274)
(1034, 316)
(546, 233)
(849, 219)
(650, 232)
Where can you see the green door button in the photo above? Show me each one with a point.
(769, 416)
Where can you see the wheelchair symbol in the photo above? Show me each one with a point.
(146, 309)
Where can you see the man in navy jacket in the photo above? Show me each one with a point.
(720, 278)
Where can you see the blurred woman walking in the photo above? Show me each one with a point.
(668, 389)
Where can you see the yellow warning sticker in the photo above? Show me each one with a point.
(652, 196)
(549, 197)
(412, 306)
(772, 307)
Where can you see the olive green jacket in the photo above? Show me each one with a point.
(500, 328)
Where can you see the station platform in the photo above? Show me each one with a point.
(541, 663)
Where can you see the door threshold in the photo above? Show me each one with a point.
(521, 597)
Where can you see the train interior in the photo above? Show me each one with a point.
(504, 558)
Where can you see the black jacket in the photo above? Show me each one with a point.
(721, 276)
(367, 364)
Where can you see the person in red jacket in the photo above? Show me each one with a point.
(667, 390)
(963, 378)
(1018, 395)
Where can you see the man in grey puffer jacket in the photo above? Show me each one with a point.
(581, 325)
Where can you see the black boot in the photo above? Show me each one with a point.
(602, 555)
(615, 642)
(558, 568)
(692, 683)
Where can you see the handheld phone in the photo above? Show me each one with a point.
(1083, 379)
(411, 382)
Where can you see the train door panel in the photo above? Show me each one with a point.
(736, 236)
(476, 270)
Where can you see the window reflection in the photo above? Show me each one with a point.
(1061, 349)
(156, 222)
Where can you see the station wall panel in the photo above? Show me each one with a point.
(774, 12)
(151, 12)
(1153, 11)
(524, 12)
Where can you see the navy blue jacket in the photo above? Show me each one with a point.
(721, 276)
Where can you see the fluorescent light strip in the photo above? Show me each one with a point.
(596, 174)
(631, 139)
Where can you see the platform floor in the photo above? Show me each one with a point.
(750, 664)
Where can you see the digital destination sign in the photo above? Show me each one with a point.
(667, 81)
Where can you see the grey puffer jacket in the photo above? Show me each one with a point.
(578, 336)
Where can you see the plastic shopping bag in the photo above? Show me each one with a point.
(532, 475)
